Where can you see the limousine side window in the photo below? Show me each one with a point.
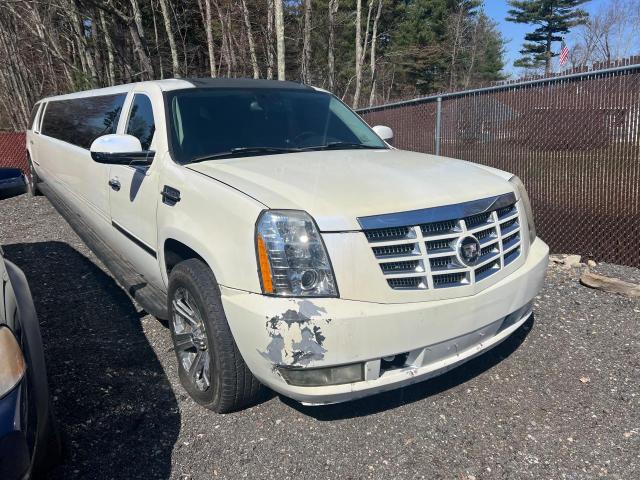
(141, 124)
(80, 121)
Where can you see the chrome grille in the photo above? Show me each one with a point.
(423, 255)
(382, 234)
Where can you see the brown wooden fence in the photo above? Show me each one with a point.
(574, 141)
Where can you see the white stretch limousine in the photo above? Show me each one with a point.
(283, 239)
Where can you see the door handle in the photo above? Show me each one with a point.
(114, 183)
(170, 195)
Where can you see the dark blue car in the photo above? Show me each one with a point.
(28, 441)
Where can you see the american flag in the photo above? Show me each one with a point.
(564, 53)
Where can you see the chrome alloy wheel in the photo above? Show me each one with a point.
(190, 339)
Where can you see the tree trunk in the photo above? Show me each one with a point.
(145, 62)
(225, 47)
(459, 16)
(547, 54)
(331, 58)
(474, 51)
(361, 48)
(279, 12)
(358, 64)
(95, 47)
(306, 44)
(252, 46)
(157, 42)
(374, 35)
(175, 62)
(141, 42)
(269, 39)
(230, 42)
(208, 28)
(111, 66)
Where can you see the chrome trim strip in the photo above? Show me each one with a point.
(437, 214)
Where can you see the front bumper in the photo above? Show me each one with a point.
(435, 336)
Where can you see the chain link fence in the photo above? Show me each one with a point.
(574, 141)
(13, 151)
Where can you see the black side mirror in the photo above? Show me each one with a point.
(124, 158)
(12, 183)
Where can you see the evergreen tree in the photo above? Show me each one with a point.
(421, 39)
(553, 18)
(490, 47)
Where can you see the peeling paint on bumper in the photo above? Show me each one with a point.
(325, 332)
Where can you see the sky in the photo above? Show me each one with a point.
(514, 32)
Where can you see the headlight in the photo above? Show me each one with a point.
(291, 255)
(524, 198)
(12, 365)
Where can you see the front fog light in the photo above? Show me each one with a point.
(524, 198)
(318, 377)
(12, 366)
(292, 258)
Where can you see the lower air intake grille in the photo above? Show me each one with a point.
(411, 283)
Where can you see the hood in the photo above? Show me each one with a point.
(337, 187)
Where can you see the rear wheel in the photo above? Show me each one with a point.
(210, 366)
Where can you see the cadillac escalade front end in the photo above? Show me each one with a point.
(405, 297)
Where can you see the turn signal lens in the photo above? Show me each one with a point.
(265, 269)
(12, 366)
(292, 257)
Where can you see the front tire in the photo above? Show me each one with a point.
(210, 366)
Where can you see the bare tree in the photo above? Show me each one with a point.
(279, 21)
(269, 39)
(205, 13)
(252, 46)
(361, 48)
(373, 60)
(137, 18)
(111, 62)
(610, 34)
(175, 62)
(331, 56)
(306, 44)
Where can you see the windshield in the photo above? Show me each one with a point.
(222, 123)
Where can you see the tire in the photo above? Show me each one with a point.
(220, 379)
(32, 181)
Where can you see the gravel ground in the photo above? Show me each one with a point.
(559, 399)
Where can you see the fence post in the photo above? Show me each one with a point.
(438, 124)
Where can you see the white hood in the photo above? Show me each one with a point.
(337, 187)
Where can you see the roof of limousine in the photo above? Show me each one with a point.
(182, 83)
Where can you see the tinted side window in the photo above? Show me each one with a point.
(141, 124)
(80, 121)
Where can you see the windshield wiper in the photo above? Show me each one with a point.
(242, 151)
(343, 146)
